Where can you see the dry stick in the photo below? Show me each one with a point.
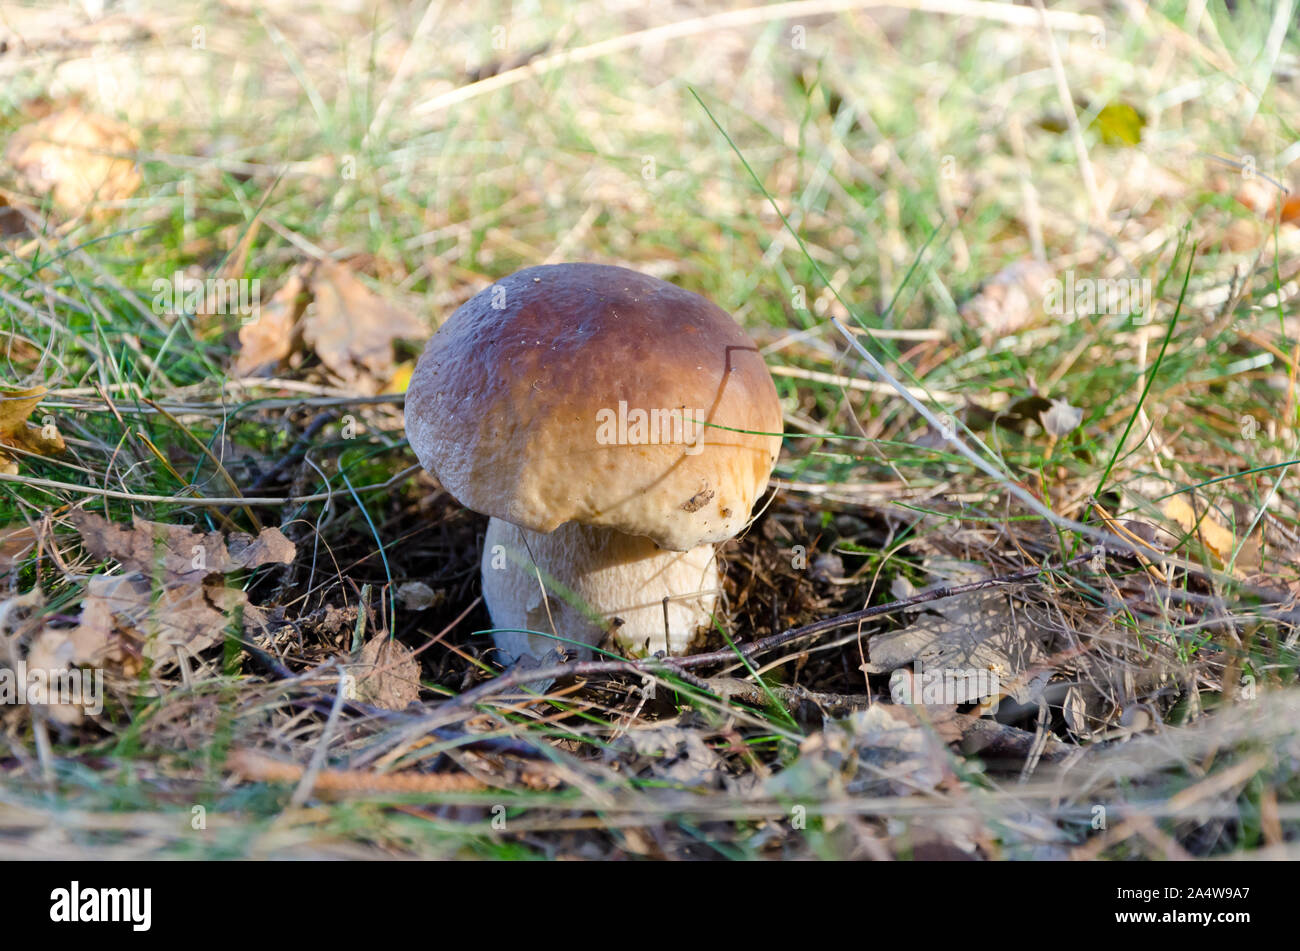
(258, 767)
(853, 383)
(833, 704)
(295, 454)
(674, 665)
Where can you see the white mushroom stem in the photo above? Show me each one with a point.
(605, 575)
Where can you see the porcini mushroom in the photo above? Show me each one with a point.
(616, 428)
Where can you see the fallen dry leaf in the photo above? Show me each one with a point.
(186, 617)
(386, 674)
(674, 754)
(1261, 196)
(16, 541)
(76, 157)
(400, 381)
(167, 604)
(1217, 538)
(180, 551)
(15, 431)
(267, 342)
(51, 653)
(325, 306)
(973, 644)
(352, 329)
(882, 750)
(418, 596)
(1061, 419)
(128, 620)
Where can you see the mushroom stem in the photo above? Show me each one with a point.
(582, 582)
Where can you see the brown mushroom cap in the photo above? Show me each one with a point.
(515, 399)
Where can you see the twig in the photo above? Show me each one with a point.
(831, 704)
(295, 454)
(258, 767)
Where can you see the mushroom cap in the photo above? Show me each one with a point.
(595, 394)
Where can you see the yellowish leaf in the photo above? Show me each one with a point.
(268, 341)
(352, 329)
(1118, 123)
(15, 431)
(1216, 537)
(77, 158)
(401, 378)
(386, 674)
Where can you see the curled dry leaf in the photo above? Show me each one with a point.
(268, 341)
(169, 603)
(673, 753)
(1202, 524)
(44, 669)
(352, 329)
(15, 431)
(180, 551)
(127, 622)
(882, 750)
(386, 674)
(76, 157)
(51, 656)
(1061, 419)
(16, 541)
(124, 618)
(976, 648)
(418, 596)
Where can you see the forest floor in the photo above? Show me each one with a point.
(1075, 248)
